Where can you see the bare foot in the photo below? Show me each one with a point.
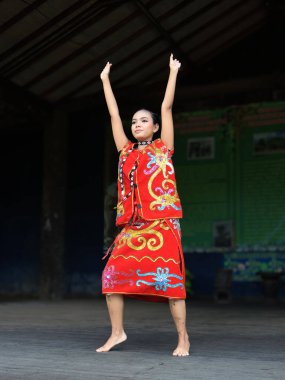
(112, 341)
(183, 347)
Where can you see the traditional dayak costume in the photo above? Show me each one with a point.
(147, 260)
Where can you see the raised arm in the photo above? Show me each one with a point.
(167, 132)
(119, 135)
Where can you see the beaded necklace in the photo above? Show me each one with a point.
(132, 172)
(144, 142)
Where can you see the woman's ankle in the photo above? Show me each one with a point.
(183, 335)
(118, 332)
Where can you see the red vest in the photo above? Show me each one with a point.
(146, 181)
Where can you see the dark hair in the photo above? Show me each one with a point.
(155, 117)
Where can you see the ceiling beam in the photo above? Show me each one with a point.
(134, 54)
(106, 54)
(275, 81)
(226, 10)
(174, 46)
(186, 97)
(218, 42)
(22, 14)
(252, 18)
(64, 61)
(52, 41)
(41, 30)
(61, 35)
(91, 43)
(197, 11)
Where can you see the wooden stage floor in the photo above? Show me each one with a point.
(57, 341)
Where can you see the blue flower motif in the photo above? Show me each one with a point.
(161, 279)
(152, 160)
(159, 160)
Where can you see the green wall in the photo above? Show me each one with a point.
(241, 185)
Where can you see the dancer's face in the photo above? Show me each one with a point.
(143, 127)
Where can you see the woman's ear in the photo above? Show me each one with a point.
(156, 128)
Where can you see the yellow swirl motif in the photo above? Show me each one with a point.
(145, 257)
(164, 225)
(135, 239)
(168, 197)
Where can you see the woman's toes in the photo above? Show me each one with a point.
(180, 352)
(112, 342)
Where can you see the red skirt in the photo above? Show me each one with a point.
(147, 262)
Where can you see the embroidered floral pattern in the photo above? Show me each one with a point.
(158, 160)
(161, 279)
(156, 167)
(165, 196)
(111, 277)
(166, 199)
(176, 225)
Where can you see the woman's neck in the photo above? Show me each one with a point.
(143, 144)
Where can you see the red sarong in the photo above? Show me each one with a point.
(147, 261)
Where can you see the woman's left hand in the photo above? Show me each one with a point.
(174, 64)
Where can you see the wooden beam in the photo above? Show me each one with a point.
(107, 53)
(186, 95)
(174, 47)
(81, 50)
(48, 43)
(208, 17)
(91, 43)
(251, 17)
(272, 82)
(22, 14)
(232, 40)
(40, 31)
(134, 54)
(197, 24)
(247, 15)
(56, 38)
(198, 10)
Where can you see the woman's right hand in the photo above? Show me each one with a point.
(106, 71)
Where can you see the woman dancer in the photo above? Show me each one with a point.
(147, 260)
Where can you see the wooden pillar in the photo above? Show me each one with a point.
(53, 208)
